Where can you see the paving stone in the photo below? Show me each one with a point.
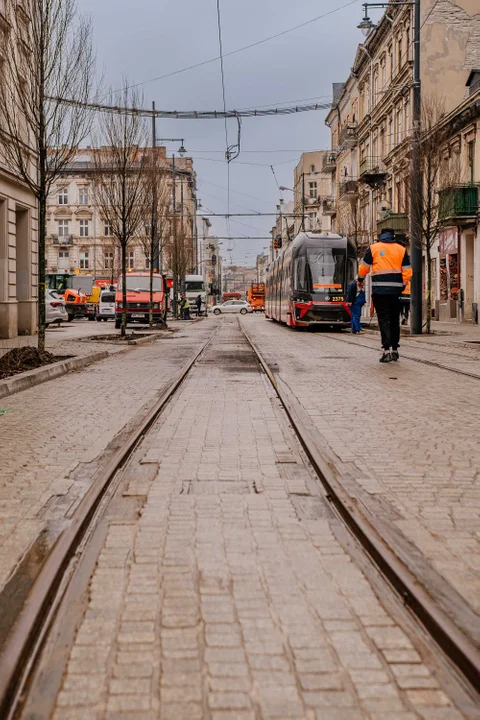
(232, 601)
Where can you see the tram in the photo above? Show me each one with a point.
(307, 283)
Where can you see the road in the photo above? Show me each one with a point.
(218, 583)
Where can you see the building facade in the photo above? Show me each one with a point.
(79, 240)
(209, 260)
(371, 116)
(18, 224)
(313, 193)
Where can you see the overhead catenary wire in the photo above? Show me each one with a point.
(241, 49)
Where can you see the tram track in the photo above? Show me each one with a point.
(431, 363)
(24, 642)
(461, 651)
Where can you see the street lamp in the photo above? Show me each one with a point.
(416, 185)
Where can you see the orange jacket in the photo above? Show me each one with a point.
(389, 264)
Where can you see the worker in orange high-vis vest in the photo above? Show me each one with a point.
(389, 265)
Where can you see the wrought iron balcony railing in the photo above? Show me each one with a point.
(458, 202)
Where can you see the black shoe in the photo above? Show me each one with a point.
(395, 355)
(386, 357)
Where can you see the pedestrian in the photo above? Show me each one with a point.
(182, 306)
(186, 309)
(198, 303)
(389, 264)
(356, 300)
(405, 304)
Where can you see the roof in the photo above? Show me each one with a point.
(471, 76)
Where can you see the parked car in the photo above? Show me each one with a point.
(233, 306)
(106, 306)
(55, 308)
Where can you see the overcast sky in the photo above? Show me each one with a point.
(142, 39)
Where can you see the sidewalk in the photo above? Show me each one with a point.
(54, 434)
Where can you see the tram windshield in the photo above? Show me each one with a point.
(326, 268)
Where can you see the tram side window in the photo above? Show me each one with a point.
(351, 269)
(300, 274)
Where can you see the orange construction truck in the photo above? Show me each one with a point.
(256, 296)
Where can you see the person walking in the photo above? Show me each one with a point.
(405, 303)
(182, 306)
(186, 309)
(389, 265)
(356, 300)
(198, 303)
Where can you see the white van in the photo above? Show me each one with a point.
(106, 305)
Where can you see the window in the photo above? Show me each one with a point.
(63, 196)
(83, 196)
(63, 228)
(312, 189)
(471, 161)
(407, 49)
(312, 220)
(300, 274)
(84, 260)
(407, 118)
(399, 52)
(130, 259)
(390, 60)
(375, 88)
(108, 260)
(399, 125)
(390, 133)
(83, 228)
(63, 259)
(312, 168)
(107, 231)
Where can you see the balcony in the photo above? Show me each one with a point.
(398, 222)
(348, 188)
(458, 204)
(330, 162)
(62, 241)
(372, 171)
(329, 207)
(348, 135)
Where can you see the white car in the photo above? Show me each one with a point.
(55, 308)
(233, 306)
(106, 305)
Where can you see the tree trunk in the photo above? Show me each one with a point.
(429, 287)
(42, 218)
(150, 301)
(124, 289)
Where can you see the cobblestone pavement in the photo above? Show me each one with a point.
(230, 598)
(52, 434)
(406, 434)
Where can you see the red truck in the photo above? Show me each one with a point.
(138, 299)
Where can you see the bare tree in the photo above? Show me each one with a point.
(178, 250)
(435, 176)
(48, 57)
(350, 223)
(157, 221)
(119, 179)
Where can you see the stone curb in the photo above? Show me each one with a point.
(29, 379)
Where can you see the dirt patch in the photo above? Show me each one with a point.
(114, 338)
(22, 359)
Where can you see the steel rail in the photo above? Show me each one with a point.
(457, 646)
(31, 623)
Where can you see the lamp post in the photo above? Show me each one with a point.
(295, 192)
(416, 186)
(181, 152)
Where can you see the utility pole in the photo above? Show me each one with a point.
(303, 201)
(416, 198)
(155, 260)
(175, 248)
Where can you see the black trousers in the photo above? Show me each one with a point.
(388, 309)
